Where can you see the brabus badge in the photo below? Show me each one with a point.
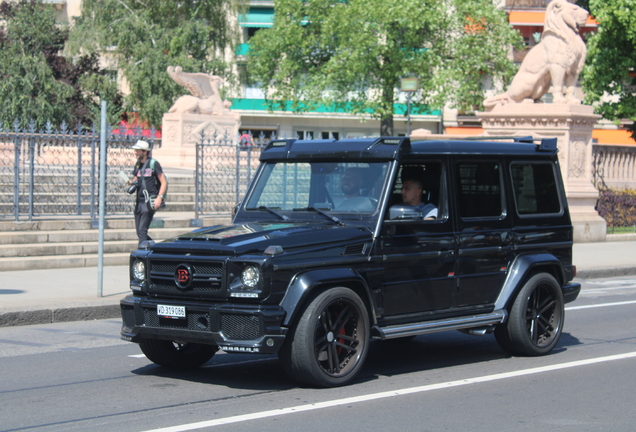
(183, 276)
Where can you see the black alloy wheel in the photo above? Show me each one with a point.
(536, 318)
(330, 342)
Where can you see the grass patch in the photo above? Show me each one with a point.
(621, 230)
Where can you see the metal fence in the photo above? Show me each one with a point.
(224, 169)
(54, 172)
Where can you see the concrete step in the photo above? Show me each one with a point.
(162, 219)
(71, 208)
(183, 220)
(39, 238)
(64, 261)
(48, 250)
(67, 243)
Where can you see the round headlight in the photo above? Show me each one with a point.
(251, 276)
(139, 270)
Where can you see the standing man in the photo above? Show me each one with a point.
(149, 175)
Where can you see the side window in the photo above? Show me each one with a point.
(421, 185)
(535, 188)
(479, 189)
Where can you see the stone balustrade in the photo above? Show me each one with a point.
(614, 166)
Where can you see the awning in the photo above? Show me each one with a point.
(537, 18)
(613, 136)
(257, 17)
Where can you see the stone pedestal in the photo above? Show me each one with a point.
(182, 131)
(572, 125)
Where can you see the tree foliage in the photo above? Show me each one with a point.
(145, 37)
(37, 83)
(609, 76)
(352, 54)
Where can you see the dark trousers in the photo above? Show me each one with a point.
(143, 218)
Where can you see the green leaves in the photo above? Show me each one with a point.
(144, 38)
(356, 52)
(37, 82)
(609, 75)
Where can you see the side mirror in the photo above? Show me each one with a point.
(404, 212)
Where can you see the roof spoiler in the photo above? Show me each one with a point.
(548, 144)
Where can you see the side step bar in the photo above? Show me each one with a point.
(458, 323)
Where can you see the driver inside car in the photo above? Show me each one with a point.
(413, 193)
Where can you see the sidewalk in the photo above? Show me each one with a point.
(70, 294)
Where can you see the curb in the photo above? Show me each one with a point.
(605, 272)
(49, 316)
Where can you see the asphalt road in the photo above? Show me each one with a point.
(80, 377)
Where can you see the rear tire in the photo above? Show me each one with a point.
(329, 344)
(177, 355)
(536, 318)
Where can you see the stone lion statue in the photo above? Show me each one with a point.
(205, 98)
(559, 58)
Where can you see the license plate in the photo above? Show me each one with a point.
(174, 312)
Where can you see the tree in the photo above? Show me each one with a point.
(351, 54)
(37, 83)
(609, 75)
(145, 37)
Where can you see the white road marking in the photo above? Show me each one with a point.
(571, 308)
(388, 394)
(137, 356)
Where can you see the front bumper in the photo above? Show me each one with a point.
(232, 327)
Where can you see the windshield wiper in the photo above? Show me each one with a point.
(272, 211)
(323, 213)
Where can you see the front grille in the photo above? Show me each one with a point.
(207, 278)
(240, 327)
(194, 321)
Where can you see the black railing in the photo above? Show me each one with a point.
(54, 172)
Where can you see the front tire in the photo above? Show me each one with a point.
(177, 355)
(330, 342)
(536, 318)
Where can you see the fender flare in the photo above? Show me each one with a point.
(519, 268)
(302, 284)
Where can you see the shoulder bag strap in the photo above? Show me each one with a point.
(143, 179)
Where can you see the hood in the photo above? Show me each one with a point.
(247, 238)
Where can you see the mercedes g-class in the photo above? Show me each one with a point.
(338, 242)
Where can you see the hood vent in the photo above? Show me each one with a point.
(354, 249)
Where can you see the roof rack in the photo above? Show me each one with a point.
(524, 139)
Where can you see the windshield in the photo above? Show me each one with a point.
(335, 187)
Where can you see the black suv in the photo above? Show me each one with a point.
(340, 242)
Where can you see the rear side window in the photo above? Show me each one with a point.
(535, 188)
(479, 191)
